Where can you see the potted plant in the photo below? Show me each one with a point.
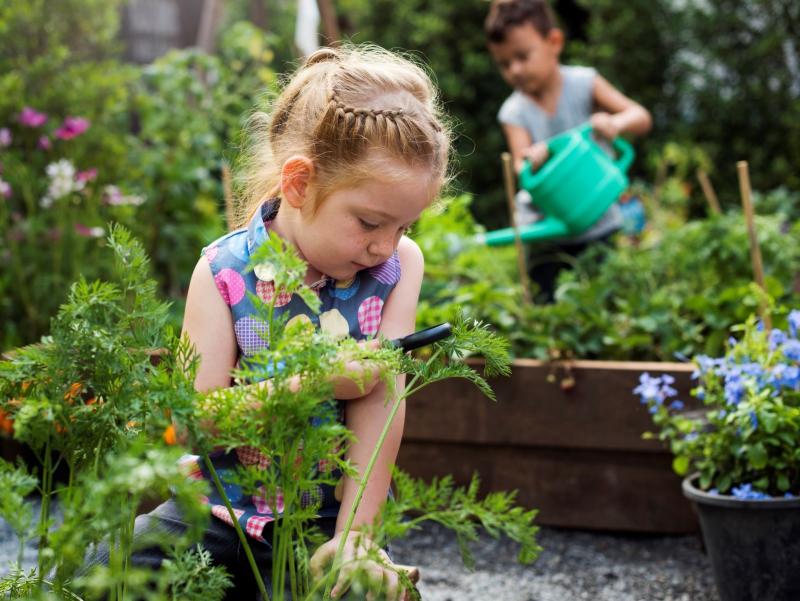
(741, 458)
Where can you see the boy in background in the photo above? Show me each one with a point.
(550, 98)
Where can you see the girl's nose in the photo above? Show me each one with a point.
(382, 247)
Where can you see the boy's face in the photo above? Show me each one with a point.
(527, 59)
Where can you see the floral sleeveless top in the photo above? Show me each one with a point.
(348, 308)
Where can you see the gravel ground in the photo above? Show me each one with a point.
(574, 565)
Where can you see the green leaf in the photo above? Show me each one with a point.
(757, 456)
(681, 465)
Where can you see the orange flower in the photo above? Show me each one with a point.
(131, 424)
(169, 435)
(26, 385)
(73, 392)
(60, 429)
(91, 401)
(6, 423)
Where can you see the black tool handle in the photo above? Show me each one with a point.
(423, 337)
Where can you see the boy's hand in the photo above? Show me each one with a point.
(537, 154)
(605, 125)
(360, 556)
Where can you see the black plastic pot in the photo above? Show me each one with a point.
(754, 546)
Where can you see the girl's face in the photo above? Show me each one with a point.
(359, 227)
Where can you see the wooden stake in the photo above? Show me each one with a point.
(210, 18)
(330, 25)
(227, 187)
(708, 192)
(755, 250)
(508, 180)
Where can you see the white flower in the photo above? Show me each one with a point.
(46, 202)
(62, 180)
(61, 169)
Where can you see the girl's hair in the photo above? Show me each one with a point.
(344, 108)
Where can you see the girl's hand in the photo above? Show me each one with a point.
(537, 154)
(605, 125)
(360, 377)
(361, 557)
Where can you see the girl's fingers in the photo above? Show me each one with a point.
(392, 583)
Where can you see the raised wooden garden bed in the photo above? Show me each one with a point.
(576, 455)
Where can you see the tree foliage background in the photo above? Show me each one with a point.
(720, 74)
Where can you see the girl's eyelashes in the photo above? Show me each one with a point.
(367, 225)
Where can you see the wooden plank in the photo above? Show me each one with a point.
(609, 490)
(600, 412)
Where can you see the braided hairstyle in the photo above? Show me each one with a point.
(346, 109)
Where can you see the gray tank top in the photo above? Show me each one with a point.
(574, 109)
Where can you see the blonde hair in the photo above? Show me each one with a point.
(343, 108)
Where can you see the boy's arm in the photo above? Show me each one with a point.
(366, 416)
(521, 146)
(616, 113)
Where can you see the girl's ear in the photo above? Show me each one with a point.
(296, 174)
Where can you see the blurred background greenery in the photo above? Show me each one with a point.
(721, 77)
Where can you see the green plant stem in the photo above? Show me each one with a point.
(362, 485)
(242, 538)
(44, 514)
(127, 548)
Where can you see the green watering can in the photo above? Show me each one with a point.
(573, 189)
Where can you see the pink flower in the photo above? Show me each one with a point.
(89, 232)
(71, 128)
(5, 137)
(32, 118)
(45, 143)
(5, 189)
(86, 176)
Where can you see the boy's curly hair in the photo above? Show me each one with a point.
(506, 14)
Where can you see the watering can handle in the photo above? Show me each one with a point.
(625, 152)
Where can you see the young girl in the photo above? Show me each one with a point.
(353, 151)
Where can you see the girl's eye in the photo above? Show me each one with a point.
(367, 225)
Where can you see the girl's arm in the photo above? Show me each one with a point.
(208, 324)
(366, 416)
(617, 113)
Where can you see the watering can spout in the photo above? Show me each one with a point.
(546, 229)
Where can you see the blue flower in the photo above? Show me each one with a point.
(791, 350)
(794, 322)
(788, 495)
(754, 420)
(734, 388)
(785, 376)
(676, 405)
(690, 436)
(655, 390)
(776, 338)
(747, 492)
